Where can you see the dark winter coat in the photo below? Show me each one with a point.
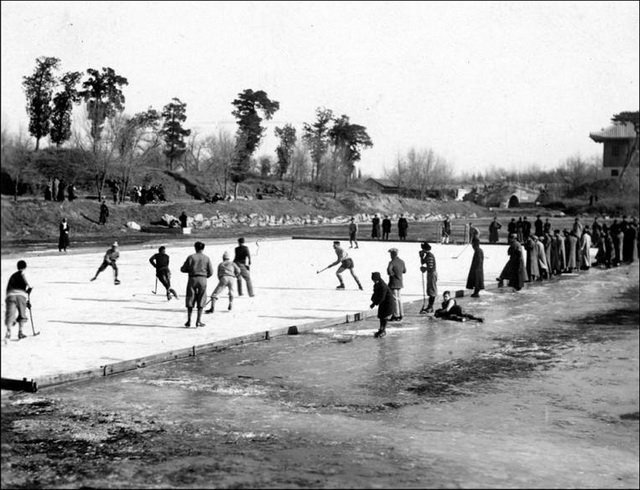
(475, 279)
(383, 298)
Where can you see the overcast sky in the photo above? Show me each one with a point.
(483, 84)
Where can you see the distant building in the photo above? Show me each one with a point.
(511, 196)
(617, 140)
(384, 186)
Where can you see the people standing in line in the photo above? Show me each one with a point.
(577, 227)
(382, 297)
(375, 227)
(546, 241)
(514, 271)
(451, 310)
(242, 259)
(346, 263)
(475, 278)
(386, 228)
(584, 252)
(494, 227)
(596, 230)
(538, 227)
(532, 260)
(571, 248)
(199, 268)
(526, 229)
(446, 230)
(428, 267)
(183, 219)
(228, 274)
(617, 235)
(630, 243)
(353, 233)
(546, 227)
(63, 238)
(403, 226)
(519, 230)
(558, 255)
(110, 260)
(396, 270)
(543, 265)
(160, 261)
(104, 212)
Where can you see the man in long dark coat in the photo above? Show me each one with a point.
(515, 270)
(475, 279)
(383, 299)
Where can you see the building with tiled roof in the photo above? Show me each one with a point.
(617, 141)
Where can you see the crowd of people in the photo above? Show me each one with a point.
(535, 253)
(56, 190)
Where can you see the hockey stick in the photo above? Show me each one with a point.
(424, 294)
(465, 247)
(322, 270)
(31, 317)
(156, 290)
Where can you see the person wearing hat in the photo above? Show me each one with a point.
(382, 297)
(228, 273)
(475, 278)
(199, 268)
(403, 226)
(345, 262)
(428, 266)
(160, 262)
(375, 227)
(243, 259)
(109, 260)
(17, 301)
(396, 269)
(514, 271)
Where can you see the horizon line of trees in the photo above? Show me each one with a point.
(110, 145)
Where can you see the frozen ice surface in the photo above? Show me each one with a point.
(85, 325)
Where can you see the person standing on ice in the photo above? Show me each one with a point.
(228, 273)
(199, 268)
(382, 297)
(428, 266)
(109, 260)
(475, 278)
(353, 233)
(242, 259)
(17, 301)
(160, 262)
(396, 270)
(63, 239)
(345, 263)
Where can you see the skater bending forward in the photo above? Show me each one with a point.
(452, 311)
(382, 298)
(228, 273)
(345, 264)
(109, 260)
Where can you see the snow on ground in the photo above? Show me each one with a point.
(85, 325)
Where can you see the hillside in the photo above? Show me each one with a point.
(33, 220)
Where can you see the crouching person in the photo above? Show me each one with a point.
(382, 298)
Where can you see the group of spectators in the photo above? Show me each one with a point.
(380, 229)
(56, 190)
(147, 194)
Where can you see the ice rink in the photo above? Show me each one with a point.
(85, 325)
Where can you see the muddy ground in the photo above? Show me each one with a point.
(431, 405)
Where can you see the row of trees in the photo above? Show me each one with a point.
(116, 143)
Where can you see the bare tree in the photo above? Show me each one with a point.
(220, 148)
(16, 158)
(300, 168)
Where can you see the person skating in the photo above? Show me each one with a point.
(475, 278)
(17, 301)
(110, 260)
(428, 267)
(63, 239)
(382, 297)
(451, 310)
(160, 261)
(346, 263)
(353, 233)
(199, 268)
(396, 270)
(242, 259)
(228, 273)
